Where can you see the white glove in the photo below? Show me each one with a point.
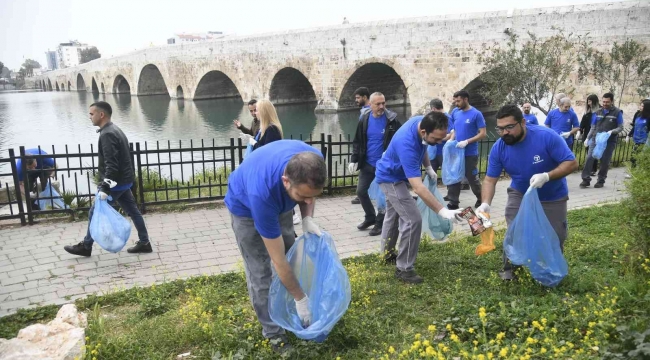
(565, 134)
(538, 180)
(54, 183)
(449, 214)
(587, 143)
(462, 144)
(302, 308)
(627, 139)
(309, 226)
(102, 195)
(432, 174)
(252, 141)
(32, 195)
(353, 167)
(578, 135)
(610, 132)
(245, 137)
(484, 208)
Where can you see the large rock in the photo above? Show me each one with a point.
(61, 339)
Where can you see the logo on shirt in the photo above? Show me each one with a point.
(383, 131)
(467, 121)
(568, 120)
(537, 159)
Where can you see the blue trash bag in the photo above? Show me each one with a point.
(56, 203)
(433, 151)
(453, 165)
(108, 228)
(376, 194)
(531, 241)
(434, 225)
(249, 148)
(601, 145)
(323, 278)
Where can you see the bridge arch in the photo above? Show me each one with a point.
(49, 84)
(57, 86)
(179, 92)
(69, 86)
(121, 86)
(151, 81)
(376, 76)
(94, 87)
(62, 86)
(103, 89)
(216, 85)
(290, 86)
(81, 84)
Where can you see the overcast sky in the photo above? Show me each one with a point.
(30, 27)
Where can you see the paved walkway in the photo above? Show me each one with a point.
(35, 270)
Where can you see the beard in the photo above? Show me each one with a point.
(511, 140)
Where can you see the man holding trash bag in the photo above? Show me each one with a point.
(262, 191)
(116, 170)
(401, 163)
(533, 156)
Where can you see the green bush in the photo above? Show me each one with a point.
(638, 203)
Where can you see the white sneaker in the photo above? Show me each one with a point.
(296, 219)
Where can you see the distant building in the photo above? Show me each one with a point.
(194, 37)
(52, 60)
(69, 54)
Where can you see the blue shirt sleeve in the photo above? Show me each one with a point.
(266, 217)
(480, 120)
(559, 150)
(495, 167)
(547, 122)
(575, 122)
(19, 169)
(619, 120)
(410, 161)
(593, 119)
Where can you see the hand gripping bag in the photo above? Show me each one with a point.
(601, 145)
(434, 225)
(453, 164)
(376, 194)
(531, 241)
(249, 148)
(487, 240)
(323, 278)
(56, 203)
(108, 228)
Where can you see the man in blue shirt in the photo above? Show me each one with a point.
(374, 132)
(531, 119)
(400, 164)
(608, 119)
(533, 156)
(362, 99)
(469, 129)
(640, 127)
(262, 193)
(37, 169)
(436, 161)
(564, 121)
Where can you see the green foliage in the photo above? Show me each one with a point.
(154, 302)
(89, 54)
(621, 69)
(9, 325)
(28, 68)
(532, 71)
(637, 204)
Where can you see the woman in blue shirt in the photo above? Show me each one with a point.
(640, 130)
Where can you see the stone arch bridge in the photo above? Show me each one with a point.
(409, 60)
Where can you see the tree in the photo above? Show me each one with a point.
(29, 65)
(620, 70)
(89, 54)
(531, 72)
(2, 65)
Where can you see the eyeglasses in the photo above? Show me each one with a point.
(508, 128)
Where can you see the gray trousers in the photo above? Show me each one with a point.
(604, 162)
(556, 212)
(402, 219)
(257, 265)
(471, 174)
(366, 176)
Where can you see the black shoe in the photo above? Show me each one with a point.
(451, 206)
(390, 258)
(356, 201)
(446, 198)
(78, 249)
(478, 203)
(464, 187)
(585, 184)
(140, 248)
(408, 276)
(366, 224)
(280, 344)
(379, 223)
(599, 185)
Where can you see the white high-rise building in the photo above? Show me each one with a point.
(194, 37)
(69, 54)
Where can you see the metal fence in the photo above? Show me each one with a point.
(177, 172)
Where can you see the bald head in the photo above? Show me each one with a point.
(526, 108)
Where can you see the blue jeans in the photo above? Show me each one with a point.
(127, 202)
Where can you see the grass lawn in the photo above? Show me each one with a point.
(463, 310)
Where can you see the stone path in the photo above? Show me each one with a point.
(35, 270)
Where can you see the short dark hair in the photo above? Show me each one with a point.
(646, 109)
(436, 104)
(362, 91)
(462, 93)
(29, 161)
(609, 95)
(434, 121)
(510, 110)
(307, 168)
(252, 102)
(103, 106)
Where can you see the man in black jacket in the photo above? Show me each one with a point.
(115, 167)
(374, 132)
(255, 124)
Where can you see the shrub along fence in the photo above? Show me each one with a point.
(178, 172)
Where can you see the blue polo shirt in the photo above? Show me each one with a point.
(542, 150)
(403, 158)
(640, 130)
(562, 122)
(375, 135)
(255, 188)
(41, 163)
(466, 125)
(531, 119)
